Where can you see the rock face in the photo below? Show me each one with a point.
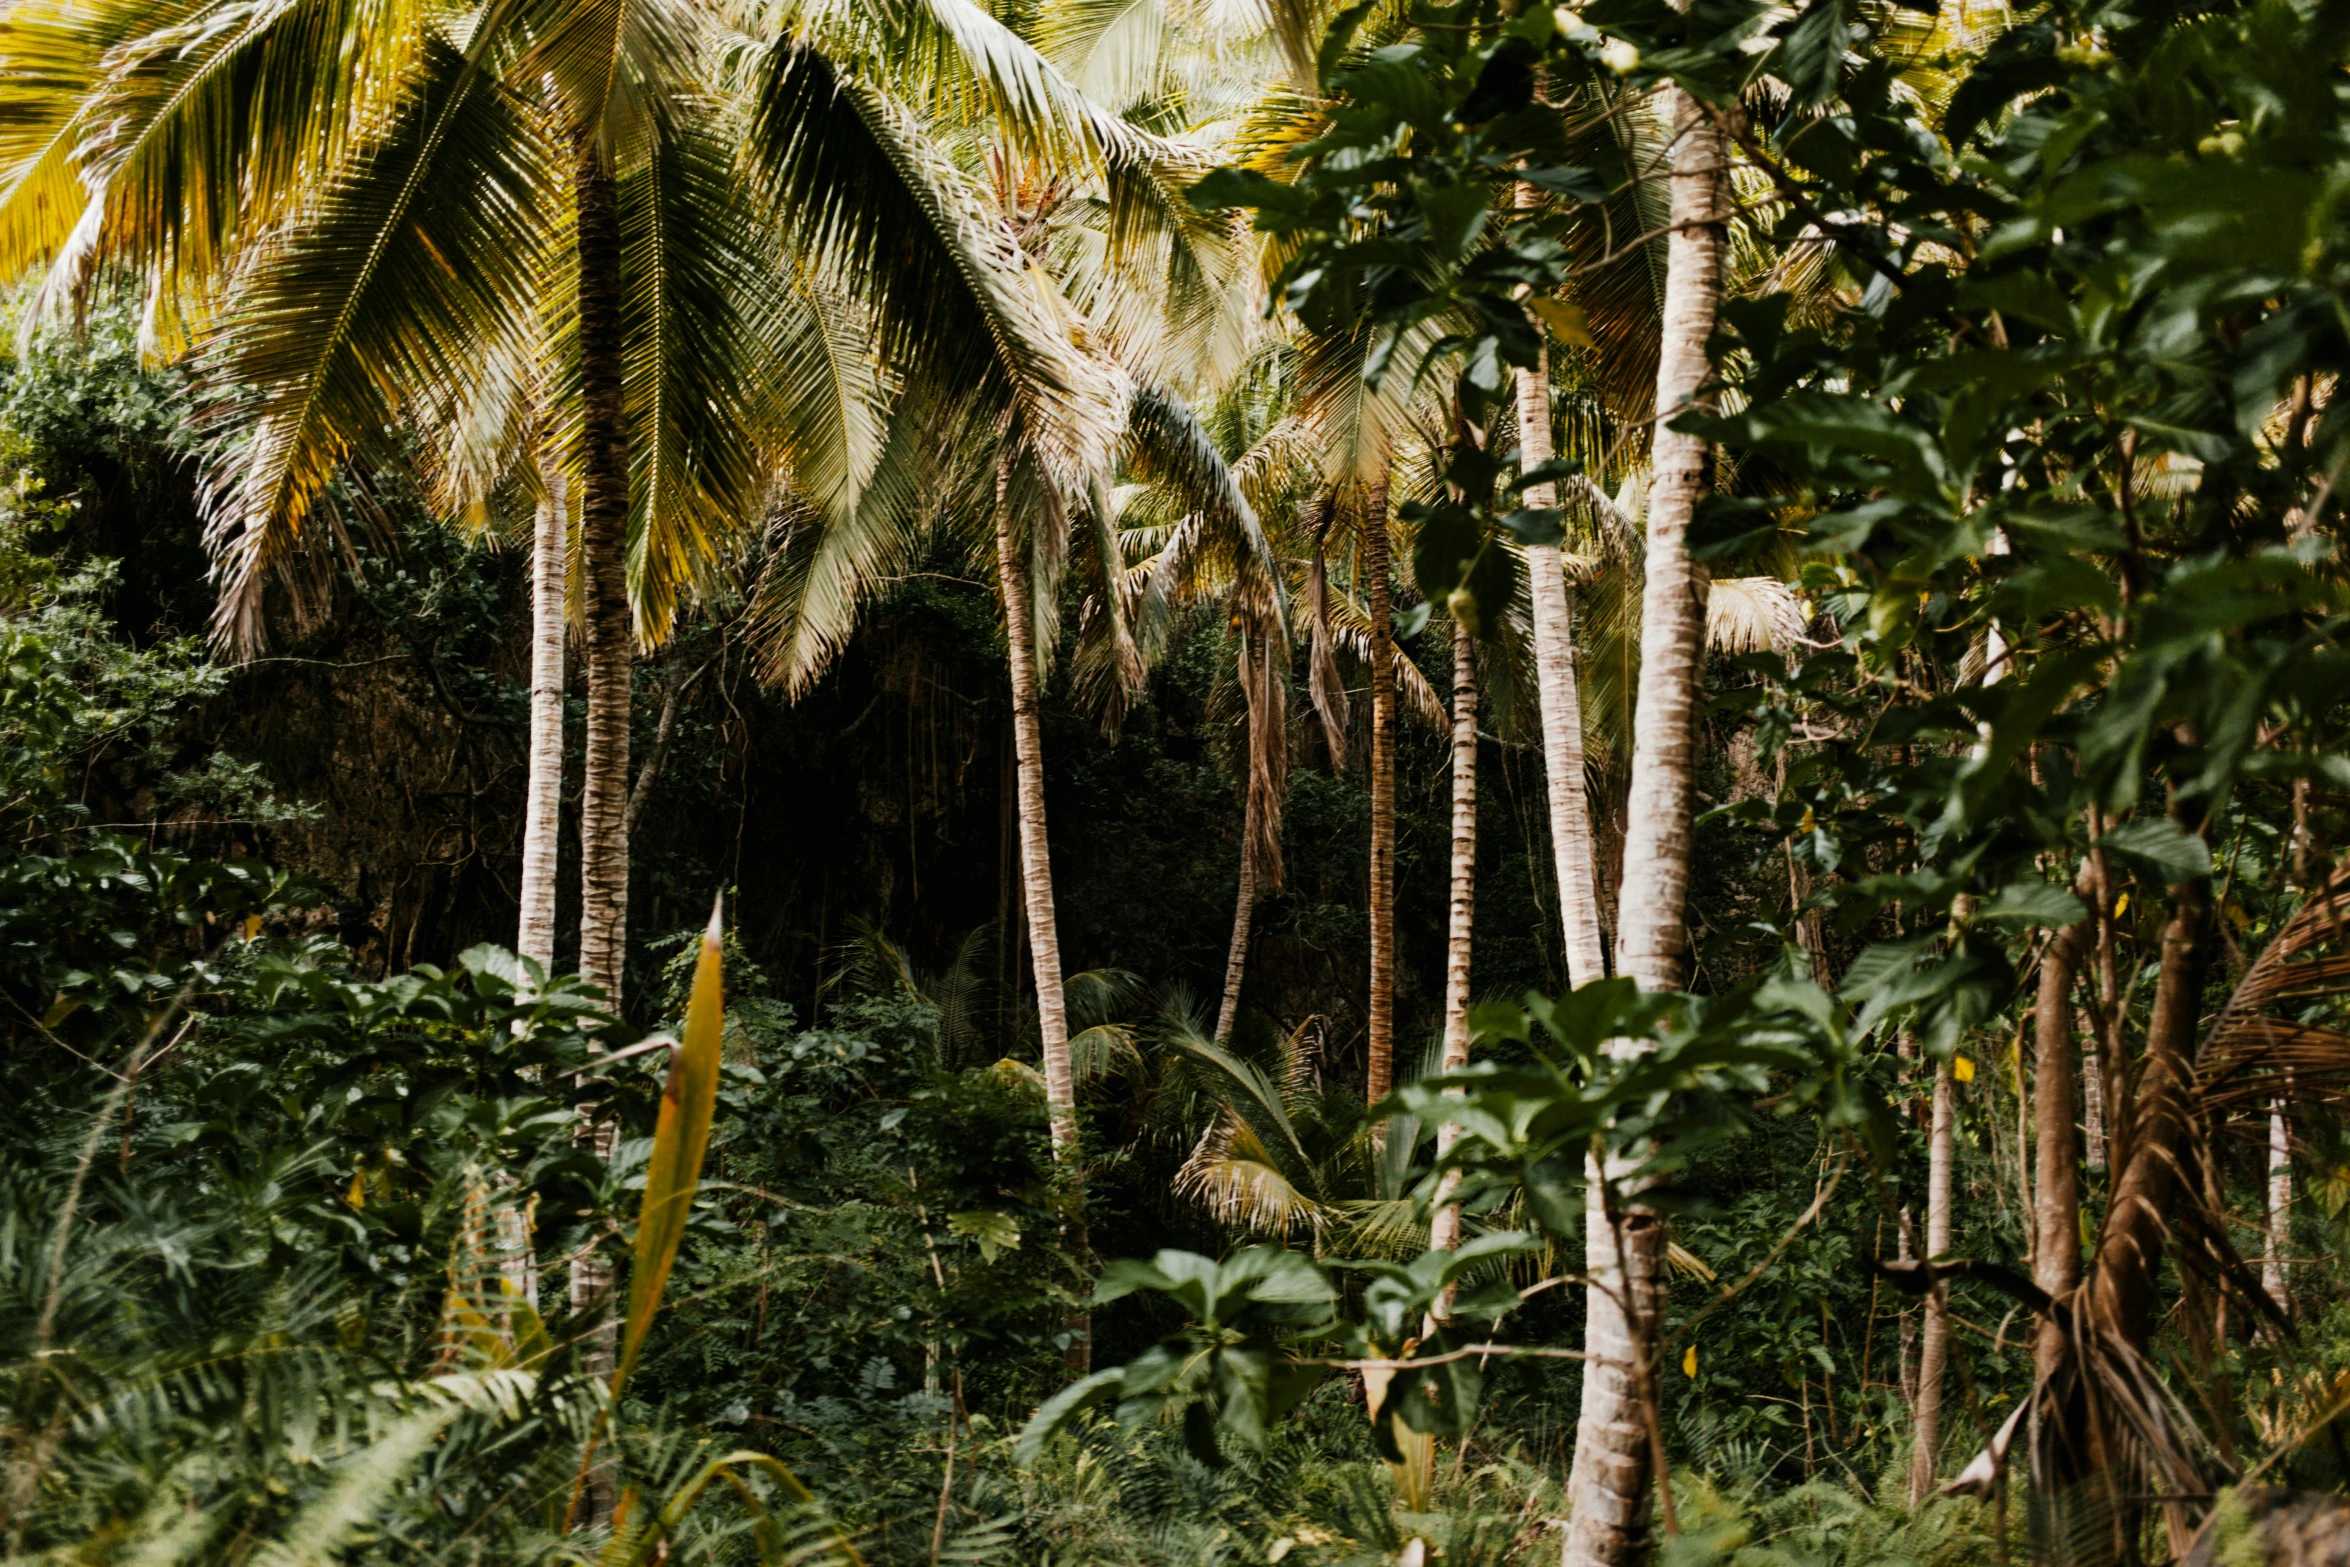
(2256, 1526)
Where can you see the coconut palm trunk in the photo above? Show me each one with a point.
(1036, 866)
(1934, 1339)
(1377, 570)
(603, 549)
(542, 815)
(1243, 914)
(1266, 693)
(1608, 1488)
(1444, 1230)
(1555, 689)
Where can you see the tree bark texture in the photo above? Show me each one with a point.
(1934, 1340)
(1243, 913)
(1561, 700)
(2276, 1226)
(2123, 1281)
(1444, 1229)
(542, 811)
(1265, 692)
(1036, 866)
(1608, 1489)
(603, 548)
(1381, 597)
(2056, 1188)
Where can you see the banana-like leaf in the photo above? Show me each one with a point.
(680, 1138)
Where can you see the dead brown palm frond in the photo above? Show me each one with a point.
(2250, 1055)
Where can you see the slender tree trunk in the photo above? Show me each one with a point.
(2122, 1288)
(1934, 1341)
(611, 657)
(1571, 846)
(603, 548)
(1036, 866)
(2056, 1218)
(1444, 1230)
(1376, 569)
(542, 814)
(1608, 1490)
(1243, 913)
(2276, 1222)
(640, 794)
(1265, 689)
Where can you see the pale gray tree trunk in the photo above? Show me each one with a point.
(1264, 688)
(1608, 1489)
(1561, 700)
(1934, 1340)
(2276, 1223)
(542, 811)
(1444, 1230)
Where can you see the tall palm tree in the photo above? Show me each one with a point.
(1608, 1487)
(542, 818)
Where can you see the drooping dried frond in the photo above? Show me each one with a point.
(1752, 615)
(1350, 628)
(2250, 1054)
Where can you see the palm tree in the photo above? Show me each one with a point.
(1445, 1229)
(542, 821)
(1608, 1487)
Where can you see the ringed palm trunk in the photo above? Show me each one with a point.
(1555, 689)
(1377, 567)
(1243, 914)
(1934, 1341)
(1265, 693)
(611, 656)
(1036, 866)
(603, 540)
(1444, 1230)
(1608, 1488)
(542, 816)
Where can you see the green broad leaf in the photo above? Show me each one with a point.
(995, 1231)
(1567, 322)
(2162, 848)
(2031, 903)
(1063, 1407)
(1228, 187)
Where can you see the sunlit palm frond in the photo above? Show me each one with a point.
(1237, 1177)
(701, 280)
(408, 272)
(210, 125)
(854, 175)
(1752, 615)
(822, 569)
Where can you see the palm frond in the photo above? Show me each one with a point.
(852, 173)
(407, 273)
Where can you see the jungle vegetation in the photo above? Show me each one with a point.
(1174, 781)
